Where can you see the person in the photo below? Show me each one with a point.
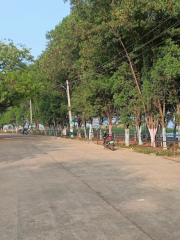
(25, 131)
(105, 135)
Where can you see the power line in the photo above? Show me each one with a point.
(131, 58)
(174, 25)
(101, 66)
(143, 52)
(139, 39)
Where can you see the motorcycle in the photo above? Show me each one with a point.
(108, 142)
(25, 131)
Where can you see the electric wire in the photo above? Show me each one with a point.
(143, 52)
(138, 39)
(101, 66)
(74, 80)
(174, 25)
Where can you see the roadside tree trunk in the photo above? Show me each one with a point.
(152, 125)
(110, 116)
(85, 133)
(138, 131)
(100, 133)
(110, 129)
(135, 134)
(37, 126)
(162, 108)
(84, 123)
(62, 127)
(91, 135)
(178, 117)
(153, 132)
(79, 128)
(138, 126)
(179, 136)
(54, 128)
(127, 137)
(58, 127)
(45, 132)
(164, 139)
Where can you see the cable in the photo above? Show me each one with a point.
(101, 66)
(138, 55)
(174, 25)
(141, 38)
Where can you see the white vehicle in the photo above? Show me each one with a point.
(8, 128)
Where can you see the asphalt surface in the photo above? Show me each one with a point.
(58, 189)
(6, 135)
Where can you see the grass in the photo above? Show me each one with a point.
(145, 151)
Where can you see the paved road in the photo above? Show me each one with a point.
(58, 189)
(12, 135)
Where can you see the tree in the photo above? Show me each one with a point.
(14, 78)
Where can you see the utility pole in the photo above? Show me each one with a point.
(30, 111)
(69, 105)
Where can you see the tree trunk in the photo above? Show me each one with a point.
(179, 136)
(79, 128)
(138, 130)
(50, 132)
(164, 139)
(58, 126)
(45, 132)
(110, 129)
(100, 130)
(85, 133)
(90, 129)
(54, 130)
(174, 133)
(127, 137)
(62, 127)
(135, 134)
(100, 133)
(152, 132)
(37, 126)
(79, 131)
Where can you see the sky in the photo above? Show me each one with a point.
(28, 21)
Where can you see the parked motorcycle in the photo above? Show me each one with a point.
(25, 131)
(108, 141)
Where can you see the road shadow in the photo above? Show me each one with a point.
(140, 191)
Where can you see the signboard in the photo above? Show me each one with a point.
(95, 123)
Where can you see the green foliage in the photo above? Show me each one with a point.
(118, 55)
(14, 77)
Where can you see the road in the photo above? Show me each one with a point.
(60, 189)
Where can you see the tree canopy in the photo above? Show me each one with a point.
(120, 57)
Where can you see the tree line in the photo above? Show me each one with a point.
(122, 60)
